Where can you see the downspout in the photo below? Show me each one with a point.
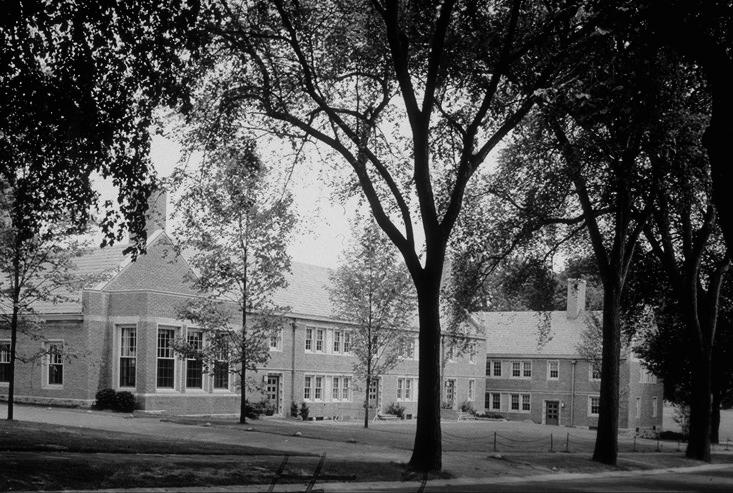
(572, 394)
(292, 363)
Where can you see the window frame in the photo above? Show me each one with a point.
(493, 365)
(172, 358)
(550, 370)
(129, 349)
(53, 358)
(192, 331)
(655, 406)
(308, 345)
(3, 342)
(471, 394)
(591, 414)
(277, 336)
(495, 401)
(308, 388)
(592, 372)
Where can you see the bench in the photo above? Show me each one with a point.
(464, 416)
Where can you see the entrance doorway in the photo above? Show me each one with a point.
(272, 391)
(552, 412)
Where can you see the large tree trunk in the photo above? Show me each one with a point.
(606, 448)
(13, 360)
(698, 445)
(427, 451)
(366, 401)
(715, 418)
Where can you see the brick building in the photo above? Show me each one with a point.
(534, 370)
(120, 332)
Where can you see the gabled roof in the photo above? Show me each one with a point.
(533, 333)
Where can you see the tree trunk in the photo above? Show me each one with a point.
(366, 401)
(13, 347)
(243, 382)
(606, 448)
(427, 451)
(698, 445)
(715, 418)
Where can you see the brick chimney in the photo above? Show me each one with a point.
(155, 217)
(576, 297)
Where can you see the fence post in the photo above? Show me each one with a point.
(550, 442)
(567, 442)
(494, 441)
(634, 443)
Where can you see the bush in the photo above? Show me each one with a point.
(490, 414)
(671, 435)
(304, 411)
(105, 399)
(446, 405)
(253, 410)
(397, 410)
(467, 407)
(124, 402)
(293, 409)
(682, 418)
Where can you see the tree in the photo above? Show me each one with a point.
(78, 84)
(234, 232)
(413, 96)
(372, 289)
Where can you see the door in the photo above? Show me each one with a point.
(552, 412)
(272, 392)
(450, 392)
(374, 393)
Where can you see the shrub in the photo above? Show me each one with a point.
(304, 411)
(396, 409)
(446, 405)
(490, 414)
(293, 409)
(671, 435)
(467, 407)
(253, 410)
(682, 417)
(105, 399)
(124, 402)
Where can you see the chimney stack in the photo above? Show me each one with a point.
(576, 297)
(155, 217)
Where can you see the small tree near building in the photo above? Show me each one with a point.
(234, 232)
(373, 290)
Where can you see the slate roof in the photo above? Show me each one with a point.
(307, 291)
(525, 333)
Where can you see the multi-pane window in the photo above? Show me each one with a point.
(647, 377)
(515, 402)
(221, 368)
(276, 340)
(595, 371)
(471, 384)
(400, 384)
(654, 407)
(373, 390)
(495, 401)
(337, 341)
(166, 360)
(308, 388)
(595, 405)
(128, 356)
(404, 389)
(336, 388)
(527, 369)
(4, 361)
(309, 339)
(194, 366)
(347, 341)
(55, 364)
(408, 348)
(493, 368)
(408, 389)
(318, 394)
(346, 389)
(472, 353)
(516, 369)
(526, 402)
(553, 370)
(319, 340)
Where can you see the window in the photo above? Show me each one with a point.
(516, 369)
(450, 355)
(404, 389)
(594, 405)
(408, 389)
(638, 407)
(654, 407)
(471, 384)
(646, 377)
(472, 353)
(493, 368)
(4, 361)
(221, 368)
(373, 390)
(307, 388)
(407, 349)
(515, 402)
(55, 363)
(525, 402)
(347, 341)
(276, 340)
(194, 366)
(553, 370)
(128, 356)
(318, 394)
(527, 369)
(336, 389)
(309, 339)
(319, 340)
(595, 371)
(496, 401)
(166, 361)
(337, 341)
(346, 389)
(400, 383)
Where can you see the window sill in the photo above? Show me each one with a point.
(167, 391)
(49, 386)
